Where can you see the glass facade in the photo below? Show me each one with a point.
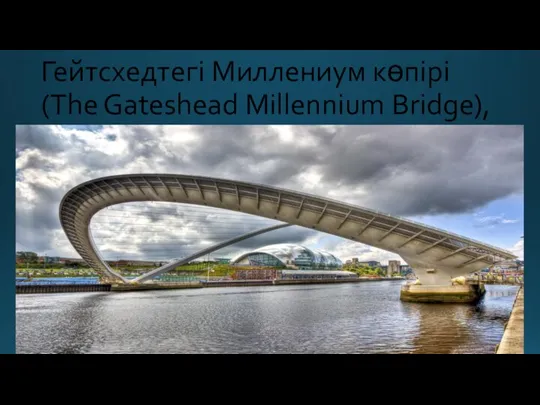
(290, 255)
(264, 259)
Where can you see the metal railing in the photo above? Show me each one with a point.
(497, 279)
(57, 282)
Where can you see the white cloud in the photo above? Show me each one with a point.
(405, 170)
(346, 250)
(492, 221)
(518, 249)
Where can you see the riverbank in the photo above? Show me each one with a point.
(67, 287)
(512, 341)
(154, 286)
(242, 283)
(260, 283)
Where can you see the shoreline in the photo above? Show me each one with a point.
(245, 283)
(512, 341)
(59, 288)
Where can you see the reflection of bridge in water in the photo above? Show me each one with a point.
(436, 256)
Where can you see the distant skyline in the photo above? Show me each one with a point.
(464, 179)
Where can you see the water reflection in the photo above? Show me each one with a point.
(74, 321)
(458, 328)
(346, 318)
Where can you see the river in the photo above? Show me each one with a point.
(340, 318)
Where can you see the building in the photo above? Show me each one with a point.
(520, 265)
(256, 274)
(394, 266)
(317, 275)
(369, 263)
(508, 267)
(58, 260)
(290, 256)
(50, 259)
(405, 270)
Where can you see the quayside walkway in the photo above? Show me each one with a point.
(512, 341)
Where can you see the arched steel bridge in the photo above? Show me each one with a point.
(435, 255)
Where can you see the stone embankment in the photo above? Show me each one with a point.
(512, 341)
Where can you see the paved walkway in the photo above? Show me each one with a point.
(512, 340)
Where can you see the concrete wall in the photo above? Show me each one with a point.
(512, 341)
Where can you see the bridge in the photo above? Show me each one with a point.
(436, 256)
(496, 279)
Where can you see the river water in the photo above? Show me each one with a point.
(340, 318)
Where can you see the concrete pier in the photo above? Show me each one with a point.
(468, 293)
(512, 341)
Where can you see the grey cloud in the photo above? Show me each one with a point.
(93, 159)
(162, 237)
(35, 227)
(93, 128)
(77, 141)
(403, 170)
(35, 160)
(144, 144)
(38, 137)
(241, 149)
(217, 144)
(440, 170)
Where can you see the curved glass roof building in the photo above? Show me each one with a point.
(291, 256)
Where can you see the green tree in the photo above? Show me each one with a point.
(380, 272)
(28, 257)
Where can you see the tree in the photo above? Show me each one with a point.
(28, 257)
(380, 272)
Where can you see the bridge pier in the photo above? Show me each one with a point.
(446, 283)
(468, 293)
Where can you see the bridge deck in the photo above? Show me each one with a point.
(341, 219)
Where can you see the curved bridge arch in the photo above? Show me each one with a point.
(435, 255)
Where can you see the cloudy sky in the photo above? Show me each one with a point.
(465, 179)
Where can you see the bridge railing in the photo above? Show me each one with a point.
(412, 222)
(458, 238)
(496, 278)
